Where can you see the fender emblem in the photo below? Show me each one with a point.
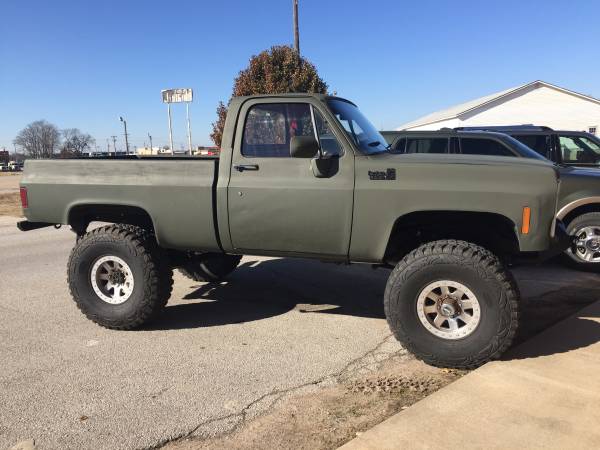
(389, 174)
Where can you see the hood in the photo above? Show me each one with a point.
(452, 158)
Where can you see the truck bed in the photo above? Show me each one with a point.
(180, 191)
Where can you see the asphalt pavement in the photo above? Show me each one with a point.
(217, 355)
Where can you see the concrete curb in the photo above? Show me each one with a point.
(544, 394)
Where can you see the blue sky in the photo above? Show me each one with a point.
(83, 63)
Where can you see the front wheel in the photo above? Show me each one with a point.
(584, 253)
(452, 304)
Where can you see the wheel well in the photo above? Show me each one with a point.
(583, 209)
(489, 230)
(82, 215)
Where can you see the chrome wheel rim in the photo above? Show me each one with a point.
(586, 246)
(448, 309)
(112, 280)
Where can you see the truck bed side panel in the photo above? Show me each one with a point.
(178, 194)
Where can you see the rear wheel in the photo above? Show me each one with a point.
(118, 276)
(452, 304)
(584, 253)
(210, 266)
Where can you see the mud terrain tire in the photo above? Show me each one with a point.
(470, 266)
(146, 265)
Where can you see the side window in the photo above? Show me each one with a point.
(329, 143)
(399, 146)
(579, 149)
(269, 128)
(542, 144)
(488, 147)
(427, 145)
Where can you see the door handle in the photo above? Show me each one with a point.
(242, 167)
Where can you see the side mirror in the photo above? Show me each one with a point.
(304, 147)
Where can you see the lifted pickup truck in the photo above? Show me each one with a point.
(302, 175)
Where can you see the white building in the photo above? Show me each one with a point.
(537, 103)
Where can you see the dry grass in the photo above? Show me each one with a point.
(10, 205)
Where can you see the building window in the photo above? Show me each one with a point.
(592, 130)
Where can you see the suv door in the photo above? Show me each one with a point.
(276, 203)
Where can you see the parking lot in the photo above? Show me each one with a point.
(219, 354)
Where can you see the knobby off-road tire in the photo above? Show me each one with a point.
(453, 263)
(586, 228)
(138, 268)
(210, 267)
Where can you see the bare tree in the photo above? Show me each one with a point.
(39, 139)
(75, 142)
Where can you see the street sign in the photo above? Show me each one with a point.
(177, 95)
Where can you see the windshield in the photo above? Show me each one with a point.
(360, 130)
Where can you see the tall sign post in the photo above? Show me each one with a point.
(179, 96)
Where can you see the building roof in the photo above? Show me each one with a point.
(455, 111)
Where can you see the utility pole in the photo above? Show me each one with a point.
(296, 32)
(170, 130)
(108, 146)
(189, 130)
(114, 138)
(150, 137)
(126, 141)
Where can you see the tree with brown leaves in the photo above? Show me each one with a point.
(279, 70)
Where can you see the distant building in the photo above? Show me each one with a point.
(4, 157)
(147, 151)
(537, 103)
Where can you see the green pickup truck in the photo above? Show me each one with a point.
(302, 175)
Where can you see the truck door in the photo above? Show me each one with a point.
(279, 204)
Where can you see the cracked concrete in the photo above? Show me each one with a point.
(364, 364)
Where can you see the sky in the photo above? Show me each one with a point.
(83, 63)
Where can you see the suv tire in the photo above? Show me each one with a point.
(210, 266)
(466, 281)
(586, 227)
(119, 277)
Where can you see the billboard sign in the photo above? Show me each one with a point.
(176, 95)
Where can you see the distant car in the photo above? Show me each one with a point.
(3, 168)
(14, 166)
(211, 151)
(582, 221)
(457, 142)
(569, 148)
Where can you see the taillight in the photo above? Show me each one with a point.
(24, 200)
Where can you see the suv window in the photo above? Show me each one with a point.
(488, 147)
(427, 145)
(579, 149)
(541, 143)
(399, 146)
(270, 127)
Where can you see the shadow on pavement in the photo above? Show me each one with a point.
(259, 290)
(262, 289)
(582, 332)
